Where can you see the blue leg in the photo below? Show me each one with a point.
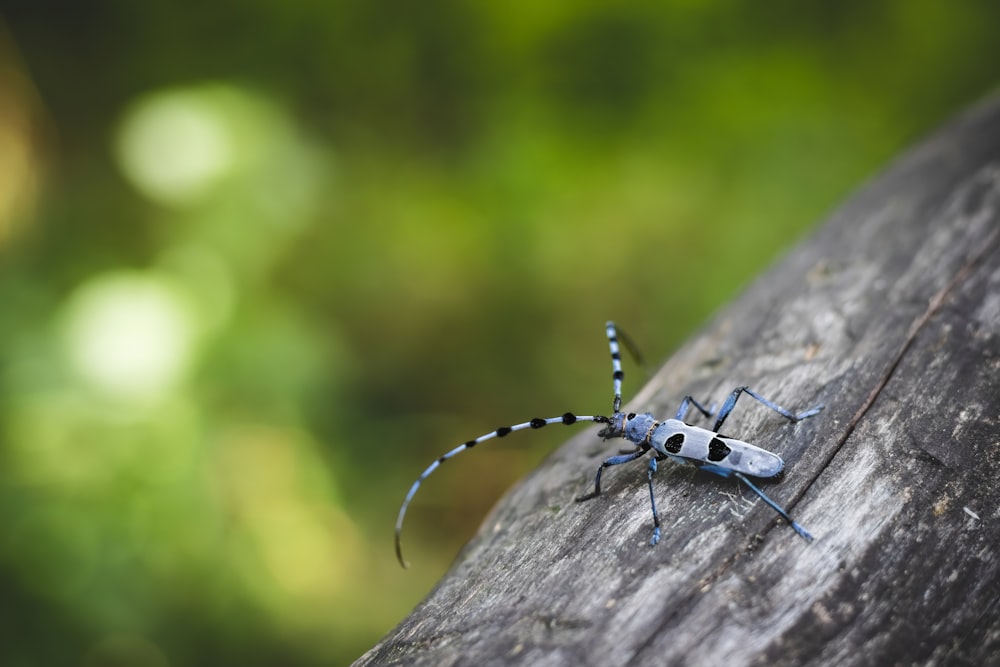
(730, 403)
(613, 461)
(727, 473)
(654, 540)
(686, 405)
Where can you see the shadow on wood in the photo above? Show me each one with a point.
(890, 315)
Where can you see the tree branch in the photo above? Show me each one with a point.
(890, 315)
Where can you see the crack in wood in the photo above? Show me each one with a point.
(934, 305)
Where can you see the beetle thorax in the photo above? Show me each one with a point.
(638, 427)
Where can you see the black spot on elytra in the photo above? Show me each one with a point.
(674, 443)
(717, 450)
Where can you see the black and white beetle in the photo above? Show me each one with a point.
(671, 438)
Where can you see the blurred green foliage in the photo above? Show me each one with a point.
(262, 262)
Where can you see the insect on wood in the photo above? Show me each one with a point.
(673, 439)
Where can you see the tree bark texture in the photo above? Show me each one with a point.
(890, 316)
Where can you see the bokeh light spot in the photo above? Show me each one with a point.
(286, 505)
(174, 145)
(130, 335)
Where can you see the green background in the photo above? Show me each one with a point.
(261, 262)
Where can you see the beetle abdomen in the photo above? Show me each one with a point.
(674, 437)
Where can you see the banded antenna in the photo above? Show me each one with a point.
(568, 419)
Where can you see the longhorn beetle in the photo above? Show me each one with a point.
(706, 449)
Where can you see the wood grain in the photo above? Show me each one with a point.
(890, 315)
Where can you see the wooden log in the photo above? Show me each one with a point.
(890, 315)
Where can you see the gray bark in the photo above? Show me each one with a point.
(890, 316)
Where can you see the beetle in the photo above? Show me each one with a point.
(673, 439)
